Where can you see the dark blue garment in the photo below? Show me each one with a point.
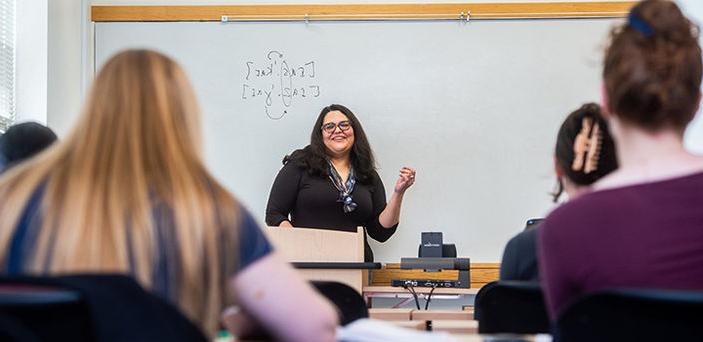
(253, 245)
(25, 238)
(520, 257)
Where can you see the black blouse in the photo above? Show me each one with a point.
(311, 201)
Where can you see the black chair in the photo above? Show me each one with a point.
(511, 307)
(349, 303)
(43, 313)
(88, 308)
(633, 315)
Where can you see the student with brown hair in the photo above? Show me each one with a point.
(128, 192)
(643, 226)
(584, 153)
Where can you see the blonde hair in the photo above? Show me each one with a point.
(134, 152)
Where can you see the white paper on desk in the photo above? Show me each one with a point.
(372, 330)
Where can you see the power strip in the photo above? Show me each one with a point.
(425, 283)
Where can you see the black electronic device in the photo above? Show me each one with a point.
(426, 283)
(463, 265)
(448, 250)
(431, 245)
(435, 256)
(533, 223)
(435, 264)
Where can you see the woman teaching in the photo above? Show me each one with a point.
(333, 184)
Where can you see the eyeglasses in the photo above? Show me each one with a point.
(331, 126)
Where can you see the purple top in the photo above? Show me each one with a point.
(646, 235)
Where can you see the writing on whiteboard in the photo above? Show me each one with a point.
(278, 83)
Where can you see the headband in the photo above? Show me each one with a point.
(639, 24)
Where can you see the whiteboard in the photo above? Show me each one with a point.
(474, 107)
(693, 139)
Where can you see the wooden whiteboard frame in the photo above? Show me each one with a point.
(419, 11)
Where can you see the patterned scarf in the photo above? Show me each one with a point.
(345, 190)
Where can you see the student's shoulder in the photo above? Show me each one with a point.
(520, 244)
(581, 217)
(522, 238)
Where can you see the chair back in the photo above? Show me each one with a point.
(91, 307)
(43, 313)
(349, 303)
(511, 307)
(634, 315)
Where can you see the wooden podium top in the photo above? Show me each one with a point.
(317, 245)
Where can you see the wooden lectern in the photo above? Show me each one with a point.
(308, 245)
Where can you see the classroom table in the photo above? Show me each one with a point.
(456, 337)
(386, 314)
(485, 338)
(449, 326)
(423, 315)
(371, 292)
(455, 326)
(460, 331)
(400, 314)
(467, 331)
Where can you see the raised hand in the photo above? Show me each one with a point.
(405, 180)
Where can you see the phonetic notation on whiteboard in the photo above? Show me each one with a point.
(278, 83)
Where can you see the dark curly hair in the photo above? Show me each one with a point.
(564, 149)
(314, 156)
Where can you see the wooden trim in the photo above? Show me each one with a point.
(417, 11)
(485, 265)
(481, 274)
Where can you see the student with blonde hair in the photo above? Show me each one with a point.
(127, 192)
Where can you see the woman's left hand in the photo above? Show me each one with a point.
(406, 179)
